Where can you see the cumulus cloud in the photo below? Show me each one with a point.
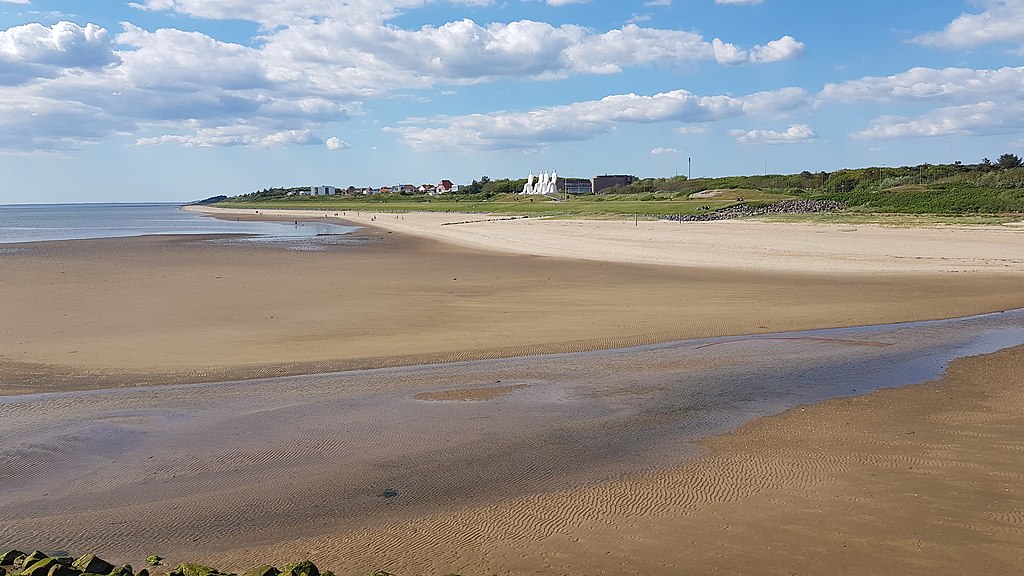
(970, 102)
(1001, 22)
(785, 48)
(335, 143)
(930, 84)
(35, 51)
(793, 134)
(981, 119)
(578, 121)
(314, 62)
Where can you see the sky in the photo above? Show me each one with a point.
(170, 100)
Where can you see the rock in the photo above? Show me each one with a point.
(265, 570)
(125, 570)
(60, 569)
(40, 567)
(93, 564)
(304, 568)
(8, 558)
(143, 572)
(379, 573)
(32, 558)
(3, 571)
(194, 570)
(781, 207)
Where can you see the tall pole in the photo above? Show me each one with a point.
(689, 167)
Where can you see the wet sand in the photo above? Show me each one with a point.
(570, 464)
(152, 310)
(916, 480)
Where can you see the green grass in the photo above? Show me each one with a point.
(932, 192)
(587, 206)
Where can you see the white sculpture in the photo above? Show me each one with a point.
(546, 184)
(528, 188)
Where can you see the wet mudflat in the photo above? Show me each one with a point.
(223, 465)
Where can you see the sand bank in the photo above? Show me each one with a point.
(150, 310)
(733, 244)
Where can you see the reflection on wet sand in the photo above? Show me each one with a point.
(212, 467)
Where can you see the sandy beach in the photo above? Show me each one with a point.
(136, 311)
(729, 244)
(924, 479)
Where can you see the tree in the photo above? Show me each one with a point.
(1007, 161)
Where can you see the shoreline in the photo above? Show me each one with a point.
(731, 244)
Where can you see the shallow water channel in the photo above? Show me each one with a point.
(230, 463)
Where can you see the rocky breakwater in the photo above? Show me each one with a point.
(17, 563)
(745, 210)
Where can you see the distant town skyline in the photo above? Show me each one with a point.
(166, 100)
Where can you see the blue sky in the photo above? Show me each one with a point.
(155, 100)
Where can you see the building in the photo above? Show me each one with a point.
(575, 185)
(600, 183)
(445, 186)
(323, 191)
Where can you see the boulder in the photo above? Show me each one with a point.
(93, 564)
(8, 558)
(40, 567)
(194, 570)
(125, 570)
(304, 568)
(60, 569)
(265, 570)
(33, 558)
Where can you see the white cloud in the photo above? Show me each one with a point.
(662, 150)
(929, 84)
(685, 130)
(335, 143)
(971, 102)
(981, 119)
(313, 63)
(35, 51)
(578, 121)
(1001, 22)
(785, 48)
(235, 136)
(793, 134)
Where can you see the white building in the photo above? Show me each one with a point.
(323, 190)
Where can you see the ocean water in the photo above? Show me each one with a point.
(42, 222)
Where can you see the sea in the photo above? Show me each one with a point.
(43, 222)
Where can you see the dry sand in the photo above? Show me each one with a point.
(732, 244)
